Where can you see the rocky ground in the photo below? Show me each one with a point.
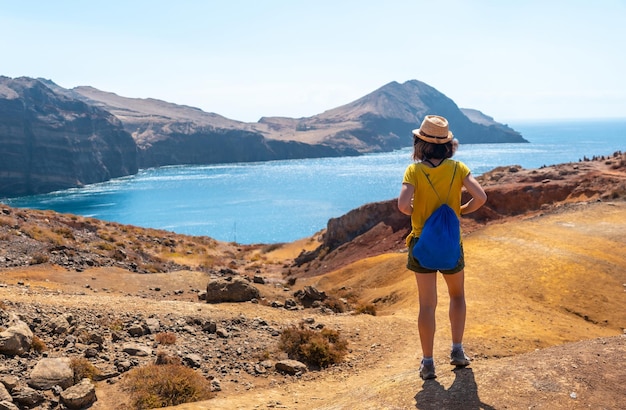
(544, 334)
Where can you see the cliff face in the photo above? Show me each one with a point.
(51, 142)
(218, 146)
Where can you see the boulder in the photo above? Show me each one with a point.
(309, 295)
(49, 372)
(134, 349)
(291, 366)
(153, 325)
(79, 396)
(61, 324)
(235, 290)
(26, 396)
(16, 340)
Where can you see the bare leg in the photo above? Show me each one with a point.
(427, 288)
(457, 312)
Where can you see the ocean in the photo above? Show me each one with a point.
(283, 201)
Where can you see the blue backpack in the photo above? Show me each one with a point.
(439, 244)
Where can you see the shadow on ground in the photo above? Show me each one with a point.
(462, 394)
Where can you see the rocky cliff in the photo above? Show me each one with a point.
(51, 142)
(52, 138)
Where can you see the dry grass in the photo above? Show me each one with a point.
(166, 338)
(319, 349)
(83, 368)
(38, 345)
(155, 386)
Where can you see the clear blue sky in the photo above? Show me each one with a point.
(513, 60)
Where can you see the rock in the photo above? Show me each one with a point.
(136, 350)
(79, 396)
(7, 405)
(61, 324)
(90, 352)
(192, 360)
(291, 366)
(16, 340)
(209, 327)
(216, 385)
(236, 290)
(4, 393)
(135, 330)
(153, 326)
(358, 221)
(27, 396)
(310, 295)
(9, 381)
(49, 372)
(222, 333)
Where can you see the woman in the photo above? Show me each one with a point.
(433, 147)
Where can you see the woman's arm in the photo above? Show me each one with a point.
(405, 199)
(476, 192)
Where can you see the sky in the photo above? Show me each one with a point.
(512, 60)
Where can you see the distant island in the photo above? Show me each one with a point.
(56, 138)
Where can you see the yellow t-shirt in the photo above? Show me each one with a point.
(425, 199)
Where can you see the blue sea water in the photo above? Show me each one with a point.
(282, 201)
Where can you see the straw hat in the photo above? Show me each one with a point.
(434, 129)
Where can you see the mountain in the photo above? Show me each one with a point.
(50, 142)
(383, 120)
(378, 122)
(52, 138)
(171, 134)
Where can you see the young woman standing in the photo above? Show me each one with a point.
(433, 147)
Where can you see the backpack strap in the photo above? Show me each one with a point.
(433, 187)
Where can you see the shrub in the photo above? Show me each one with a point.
(38, 345)
(65, 232)
(83, 369)
(367, 309)
(39, 258)
(155, 386)
(166, 338)
(314, 348)
(165, 358)
(335, 304)
(114, 324)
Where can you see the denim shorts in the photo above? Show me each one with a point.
(414, 265)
